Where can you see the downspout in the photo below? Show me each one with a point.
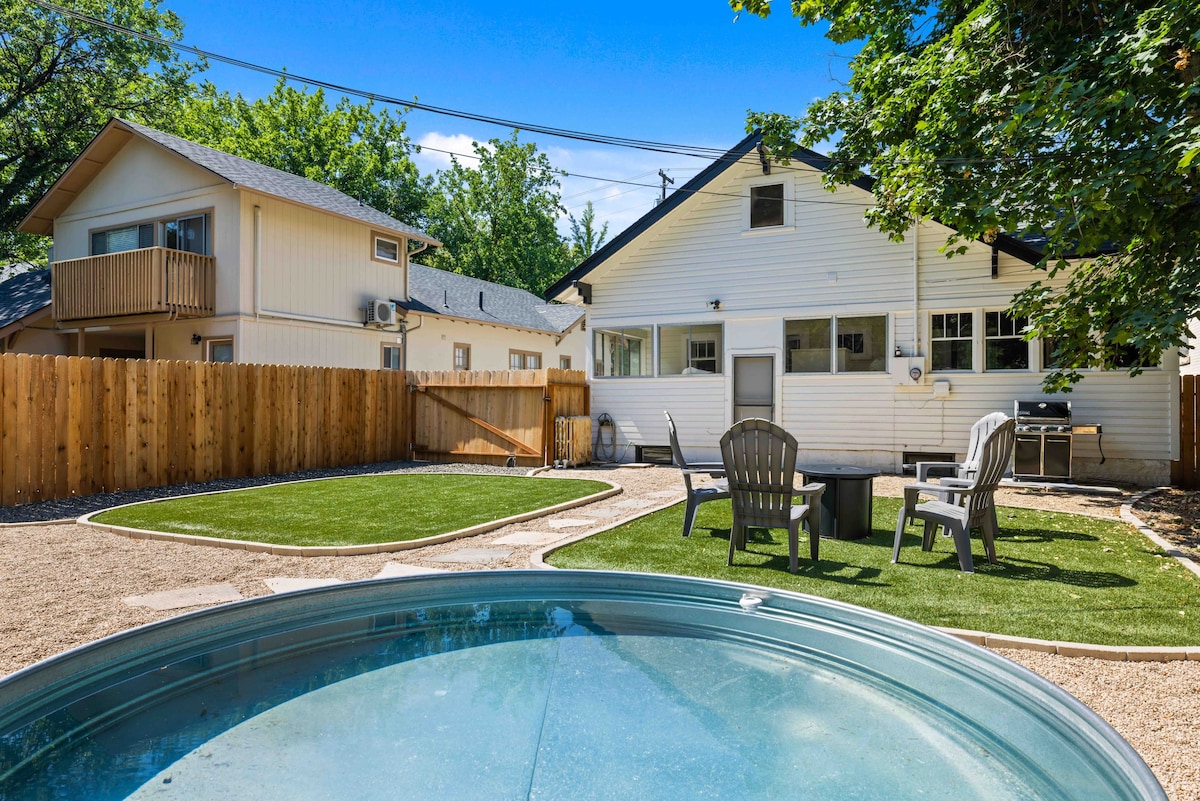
(257, 261)
(404, 329)
(916, 297)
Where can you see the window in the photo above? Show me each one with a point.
(950, 341)
(462, 356)
(387, 249)
(766, 206)
(189, 234)
(861, 345)
(621, 352)
(524, 360)
(808, 346)
(564, 362)
(1051, 361)
(392, 357)
(689, 349)
(116, 240)
(1004, 349)
(219, 350)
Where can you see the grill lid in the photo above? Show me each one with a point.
(1043, 411)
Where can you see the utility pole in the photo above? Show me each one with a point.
(665, 180)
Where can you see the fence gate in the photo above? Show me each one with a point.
(493, 417)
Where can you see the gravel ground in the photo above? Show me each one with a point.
(63, 585)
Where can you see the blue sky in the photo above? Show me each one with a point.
(674, 71)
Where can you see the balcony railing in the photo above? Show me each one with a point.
(132, 282)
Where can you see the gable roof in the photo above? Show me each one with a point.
(1013, 246)
(447, 294)
(22, 295)
(241, 173)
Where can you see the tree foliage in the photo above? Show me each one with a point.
(60, 81)
(497, 220)
(1076, 122)
(351, 147)
(585, 239)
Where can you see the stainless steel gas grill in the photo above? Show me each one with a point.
(1044, 431)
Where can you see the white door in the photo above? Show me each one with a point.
(753, 387)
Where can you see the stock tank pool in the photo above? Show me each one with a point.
(549, 685)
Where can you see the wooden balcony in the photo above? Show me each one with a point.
(135, 282)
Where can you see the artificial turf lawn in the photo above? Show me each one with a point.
(356, 510)
(1060, 576)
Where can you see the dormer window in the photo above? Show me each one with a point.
(766, 206)
(387, 250)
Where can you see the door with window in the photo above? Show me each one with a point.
(753, 387)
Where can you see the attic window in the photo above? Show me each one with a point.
(387, 250)
(766, 206)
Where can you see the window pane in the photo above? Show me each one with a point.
(1049, 360)
(965, 329)
(462, 357)
(146, 235)
(171, 235)
(1007, 353)
(862, 344)
(951, 354)
(516, 361)
(192, 235)
(621, 352)
(99, 243)
(766, 206)
(386, 249)
(533, 361)
(807, 346)
(689, 349)
(220, 351)
(121, 239)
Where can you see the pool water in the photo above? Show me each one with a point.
(548, 685)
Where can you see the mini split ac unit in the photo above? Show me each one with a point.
(381, 313)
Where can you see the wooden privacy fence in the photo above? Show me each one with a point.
(493, 417)
(75, 426)
(1186, 472)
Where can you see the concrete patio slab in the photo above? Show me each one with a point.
(474, 556)
(293, 584)
(569, 522)
(181, 599)
(393, 569)
(528, 538)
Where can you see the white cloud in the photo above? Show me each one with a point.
(436, 149)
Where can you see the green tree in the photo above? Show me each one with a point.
(1076, 122)
(60, 81)
(497, 221)
(585, 239)
(349, 146)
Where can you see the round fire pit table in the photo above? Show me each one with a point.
(847, 501)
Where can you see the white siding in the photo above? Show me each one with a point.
(266, 341)
(827, 263)
(431, 345)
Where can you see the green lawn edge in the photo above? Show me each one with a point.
(1060, 576)
(352, 510)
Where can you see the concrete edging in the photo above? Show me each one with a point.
(323, 550)
(1115, 653)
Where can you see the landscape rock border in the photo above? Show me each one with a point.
(342, 550)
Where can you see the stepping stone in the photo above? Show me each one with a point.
(193, 596)
(293, 584)
(392, 569)
(528, 538)
(569, 522)
(634, 503)
(600, 512)
(664, 494)
(474, 556)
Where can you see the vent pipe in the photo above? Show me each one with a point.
(481, 301)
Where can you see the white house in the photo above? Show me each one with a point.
(167, 249)
(753, 291)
